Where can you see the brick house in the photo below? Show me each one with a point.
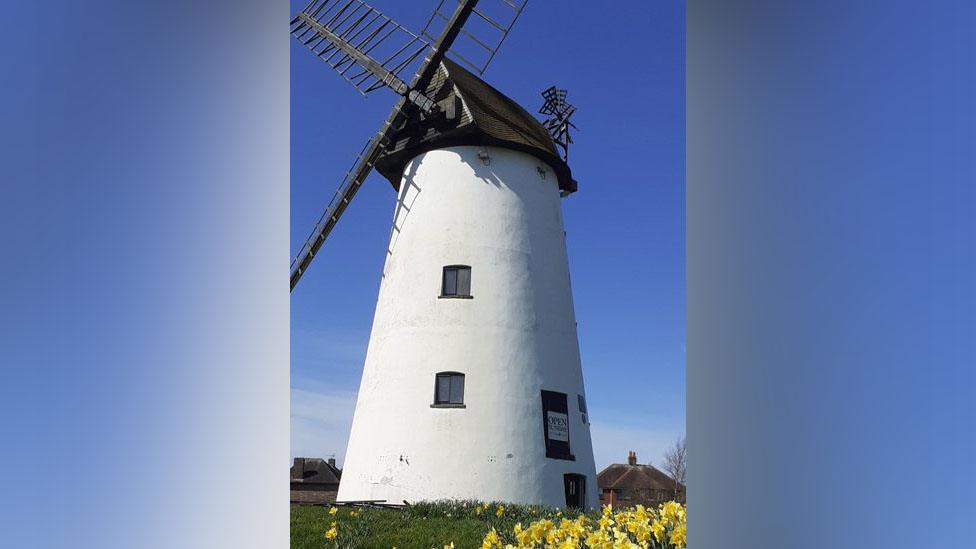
(314, 480)
(629, 484)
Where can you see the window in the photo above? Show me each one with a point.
(582, 406)
(449, 390)
(555, 425)
(456, 281)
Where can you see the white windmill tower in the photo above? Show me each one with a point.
(472, 386)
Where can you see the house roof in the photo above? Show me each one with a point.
(314, 471)
(470, 112)
(634, 477)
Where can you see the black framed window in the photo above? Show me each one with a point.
(449, 390)
(555, 425)
(456, 281)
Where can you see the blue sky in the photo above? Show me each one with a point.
(624, 69)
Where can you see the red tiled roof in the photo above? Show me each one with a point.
(634, 477)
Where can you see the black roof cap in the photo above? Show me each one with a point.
(470, 113)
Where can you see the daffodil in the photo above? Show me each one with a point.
(597, 538)
(658, 528)
(639, 527)
(491, 540)
(669, 511)
(678, 536)
(569, 543)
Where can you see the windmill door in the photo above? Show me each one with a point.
(575, 490)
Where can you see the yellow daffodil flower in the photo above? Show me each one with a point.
(678, 536)
(491, 540)
(658, 528)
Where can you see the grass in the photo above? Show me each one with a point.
(421, 526)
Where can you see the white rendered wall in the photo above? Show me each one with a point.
(516, 337)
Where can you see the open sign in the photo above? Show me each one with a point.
(558, 426)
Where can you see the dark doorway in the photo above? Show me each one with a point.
(575, 490)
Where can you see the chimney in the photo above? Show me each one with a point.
(332, 462)
(632, 458)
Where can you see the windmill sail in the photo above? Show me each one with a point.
(365, 47)
(482, 36)
(350, 185)
(355, 177)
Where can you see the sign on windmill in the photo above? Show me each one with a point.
(474, 324)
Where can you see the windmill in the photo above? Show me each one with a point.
(472, 386)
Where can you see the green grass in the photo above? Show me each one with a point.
(421, 526)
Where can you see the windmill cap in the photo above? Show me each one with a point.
(470, 113)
